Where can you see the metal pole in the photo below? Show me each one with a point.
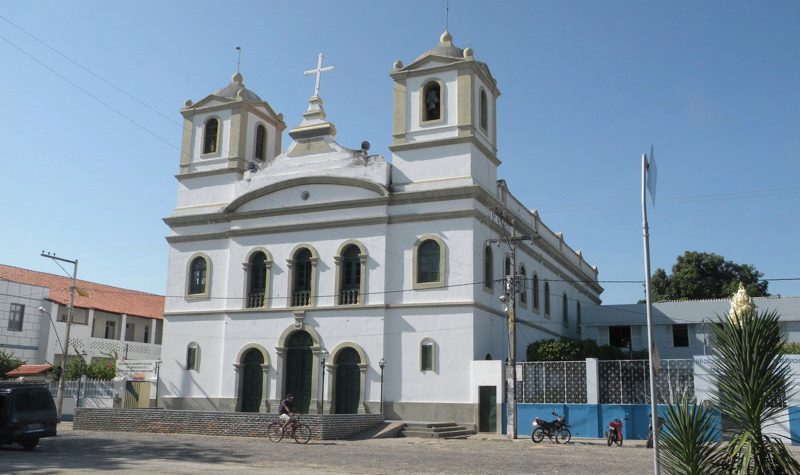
(512, 337)
(382, 364)
(158, 379)
(511, 290)
(61, 379)
(323, 358)
(646, 236)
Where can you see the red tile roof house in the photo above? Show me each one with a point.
(27, 372)
(110, 321)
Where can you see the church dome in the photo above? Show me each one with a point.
(445, 48)
(236, 90)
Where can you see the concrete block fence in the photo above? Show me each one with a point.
(237, 424)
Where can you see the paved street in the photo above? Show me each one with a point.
(75, 452)
(86, 452)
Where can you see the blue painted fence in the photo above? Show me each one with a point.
(591, 420)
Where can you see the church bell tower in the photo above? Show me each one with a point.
(444, 128)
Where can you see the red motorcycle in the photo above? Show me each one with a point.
(614, 432)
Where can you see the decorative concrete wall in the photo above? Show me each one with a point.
(238, 424)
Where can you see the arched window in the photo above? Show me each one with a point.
(198, 274)
(535, 293)
(257, 280)
(488, 268)
(261, 142)
(351, 276)
(578, 317)
(301, 291)
(523, 293)
(432, 101)
(211, 135)
(547, 299)
(192, 357)
(427, 355)
(429, 263)
(484, 104)
(565, 310)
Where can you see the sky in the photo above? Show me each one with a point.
(90, 94)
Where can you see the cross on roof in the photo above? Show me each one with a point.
(319, 72)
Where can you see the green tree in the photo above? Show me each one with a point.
(570, 349)
(791, 348)
(8, 363)
(700, 275)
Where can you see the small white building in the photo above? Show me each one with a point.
(681, 329)
(329, 273)
(109, 321)
(21, 323)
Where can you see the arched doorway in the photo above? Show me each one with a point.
(252, 380)
(348, 381)
(299, 369)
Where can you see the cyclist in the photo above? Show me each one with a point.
(287, 411)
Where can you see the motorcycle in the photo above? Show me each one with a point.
(614, 432)
(649, 443)
(557, 428)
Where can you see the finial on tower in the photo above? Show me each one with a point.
(239, 61)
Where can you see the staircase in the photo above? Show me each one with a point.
(438, 430)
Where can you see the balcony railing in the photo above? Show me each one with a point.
(300, 298)
(348, 297)
(255, 300)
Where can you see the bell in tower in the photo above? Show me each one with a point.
(444, 125)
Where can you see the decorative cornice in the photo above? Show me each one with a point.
(398, 146)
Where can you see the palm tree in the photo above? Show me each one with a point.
(688, 439)
(752, 388)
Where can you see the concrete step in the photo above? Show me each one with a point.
(439, 430)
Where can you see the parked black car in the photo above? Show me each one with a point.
(27, 413)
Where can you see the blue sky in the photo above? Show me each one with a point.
(91, 92)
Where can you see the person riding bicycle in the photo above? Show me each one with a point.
(287, 411)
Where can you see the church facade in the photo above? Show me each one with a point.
(356, 284)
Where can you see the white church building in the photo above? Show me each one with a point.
(356, 284)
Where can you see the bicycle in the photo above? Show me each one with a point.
(296, 429)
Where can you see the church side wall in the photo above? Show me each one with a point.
(208, 331)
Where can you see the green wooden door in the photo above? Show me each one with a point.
(252, 381)
(487, 409)
(348, 381)
(298, 370)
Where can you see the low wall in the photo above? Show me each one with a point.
(591, 420)
(237, 424)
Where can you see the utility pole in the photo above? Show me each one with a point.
(62, 377)
(512, 287)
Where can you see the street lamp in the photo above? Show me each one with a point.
(323, 358)
(382, 364)
(82, 380)
(158, 377)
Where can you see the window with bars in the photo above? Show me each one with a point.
(257, 280)
(351, 276)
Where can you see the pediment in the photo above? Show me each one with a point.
(307, 191)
